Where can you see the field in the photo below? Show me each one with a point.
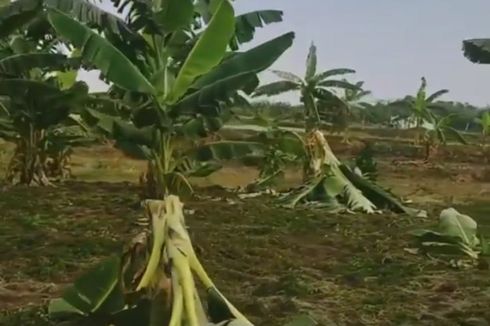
(273, 263)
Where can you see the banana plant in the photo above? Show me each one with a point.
(484, 122)
(438, 132)
(325, 178)
(312, 87)
(154, 283)
(35, 107)
(169, 61)
(422, 109)
(282, 148)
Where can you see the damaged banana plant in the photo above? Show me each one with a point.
(157, 287)
(327, 181)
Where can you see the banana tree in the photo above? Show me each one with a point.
(175, 74)
(313, 87)
(484, 122)
(35, 106)
(421, 109)
(281, 148)
(438, 132)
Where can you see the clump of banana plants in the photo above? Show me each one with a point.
(154, 283)
(326, 180)
(174, 63)
(38, 95)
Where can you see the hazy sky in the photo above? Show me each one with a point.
(390, 43)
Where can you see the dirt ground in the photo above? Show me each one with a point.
(272, 262)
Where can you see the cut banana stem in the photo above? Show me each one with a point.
(155, 209)
(188, 287)
(172, 247)
(178, 302)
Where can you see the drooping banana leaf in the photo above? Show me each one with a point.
(22, 63)
(96, 292)
(125, 132)
(17, 14)
(276, 88)
(477, 50)
(96, 50)
(95, 17)
(192, 168)
(381, 198)
(247, 23)
(200, 126)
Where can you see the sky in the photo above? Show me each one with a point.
(390, 43)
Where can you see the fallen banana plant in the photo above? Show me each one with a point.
(456, 234)
(333, 184)
(159, 291)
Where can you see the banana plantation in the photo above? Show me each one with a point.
(202, 185)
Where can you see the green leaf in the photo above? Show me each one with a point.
(99, 52)
(253, 60)
(436, 95)
(289, 76)
(455, 234)
(339, 84)
(220, 90)
(93, 291)
(175, 14)
(22, 63)
(311, 62)
(276, 88)
(247, 23)
(453, 223)
(200, 169)
(200, 126)
(126, 132)
(456, 135)
(207, 52)
(218, 309)
(377, 195)
(67, 79)
(477, 50)
(303, 193)
(59, 308)
(134, 151)
(17, 14)
(95, 17)
(333, 72)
